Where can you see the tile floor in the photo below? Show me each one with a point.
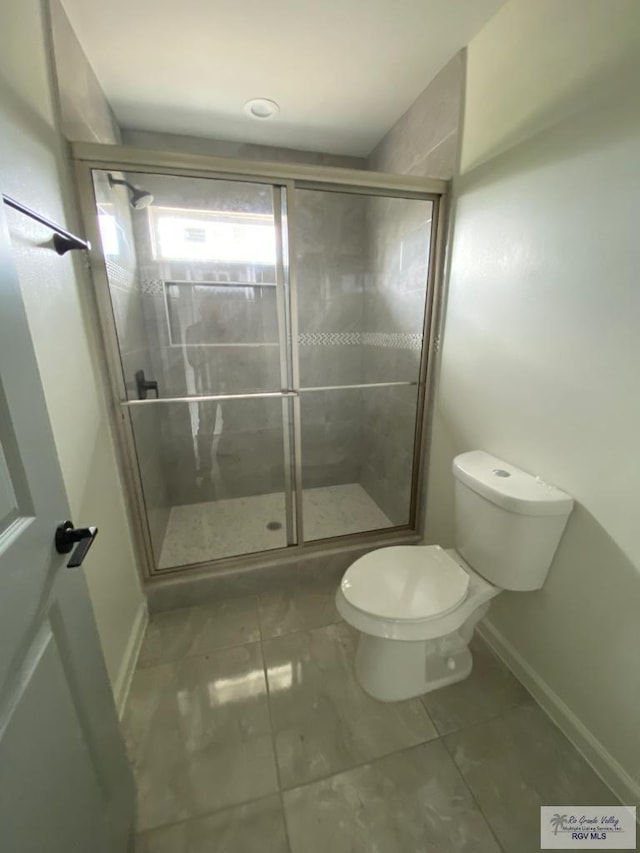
(248, 734)
(215, 529)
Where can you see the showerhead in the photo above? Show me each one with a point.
(138, 198)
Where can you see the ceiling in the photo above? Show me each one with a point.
(342, 71)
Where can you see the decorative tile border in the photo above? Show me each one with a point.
(151, 286)
(393, 340)
(119, 277)
(125, 280)
(388, 340)
(330, 339)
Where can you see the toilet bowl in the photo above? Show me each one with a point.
(416, 606)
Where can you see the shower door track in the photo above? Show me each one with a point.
(93, 155)
(284, 178)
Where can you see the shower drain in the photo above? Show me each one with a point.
(274, 525)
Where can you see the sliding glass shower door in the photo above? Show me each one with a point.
(198, 292)
(361, 266)
(269, 340)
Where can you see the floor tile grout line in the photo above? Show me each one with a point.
(215, 651)
(303, 630)
(273, 742)
(490, 719)
(285, 790)
(180, 608)
(359, 765)
(333, 621)
(188, 655)
(259, 617)
(287, 834)
(282, 790)
(472, 794)
(209, 813)
(278, 791)
(372, 760)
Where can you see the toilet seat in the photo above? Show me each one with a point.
(405, 583)
(357, 593)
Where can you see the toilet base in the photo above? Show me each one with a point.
(392, 670)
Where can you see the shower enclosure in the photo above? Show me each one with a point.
(267, 330)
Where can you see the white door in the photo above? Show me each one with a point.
(65, 784)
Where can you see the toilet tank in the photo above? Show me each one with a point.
(508, 523)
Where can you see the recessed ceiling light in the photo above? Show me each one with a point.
(261, 108)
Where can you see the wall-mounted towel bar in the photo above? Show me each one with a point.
(63, 241)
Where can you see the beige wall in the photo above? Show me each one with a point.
(34, 169)
(541, 347)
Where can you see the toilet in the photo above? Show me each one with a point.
(416, 606)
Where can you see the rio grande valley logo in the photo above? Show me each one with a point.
(588, 827)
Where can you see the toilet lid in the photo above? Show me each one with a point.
(405, 582)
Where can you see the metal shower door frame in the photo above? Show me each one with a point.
(284, 180)
(292, 500)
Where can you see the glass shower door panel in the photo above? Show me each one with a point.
(193, 282)
(196, 280)
(357, 459)
(214, 478)
(362, 271)
(362, 265)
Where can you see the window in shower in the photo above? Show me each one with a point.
(235, 237)
(283, 325)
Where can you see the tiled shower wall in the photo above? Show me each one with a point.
(359, 310)
(329, 238)
(243, 439)
(423, 142)
(398, 232)
(213, 340)
(361, 268)
(129, 312)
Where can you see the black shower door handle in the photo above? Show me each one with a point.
(145, 385)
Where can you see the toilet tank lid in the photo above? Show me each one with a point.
(509, 487)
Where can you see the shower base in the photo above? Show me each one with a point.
(201, 532)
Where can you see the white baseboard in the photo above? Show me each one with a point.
(605, 765)
(128, 666)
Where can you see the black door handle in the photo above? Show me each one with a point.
(67, 536)
(145, 385)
